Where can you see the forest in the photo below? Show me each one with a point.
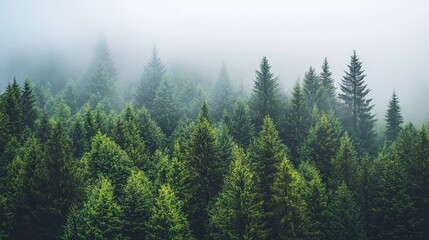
(177, 159)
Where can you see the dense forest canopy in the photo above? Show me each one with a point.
(176, 159)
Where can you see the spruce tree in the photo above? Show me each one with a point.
(359, 122)
(205, 172)
(288, 207)
(150, 79)
(345, 165)
(222, 94)
(313, 91)
(297, 123)
(167, 219)
(328, 83)
(393, 119)
(164, 108)
(265, 100)
(237, 211)
(12, 105)
(241, 128)
(28, 106)
(344, 220)
(149, 130)
(136, 203)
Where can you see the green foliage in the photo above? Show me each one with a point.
(164, 107)
(12, 105)
(288, 211)
(28, 106)
(345, 165)
(314, 92)
(136, 204)
(222, 94)
(328, 83)
(237, 211)
(359, 121)
(265, 99)
(149, 130)
(393, 119)
(241, 128)
(344, 219)
(106, 159)
(153, 73)
(167, 220)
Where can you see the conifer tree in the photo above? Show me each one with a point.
(237, 211)
(225, 142)
(136, 204)
(344, 219)
(4, 132)
(204, 165)
(393, 119)
(149, 130)
(222, 94)
(321, 146)
(313, 91)
(328, 83)
(289, 208)
(265, 98)
(345, 165)
(164, 108)
(153, 73)
(167, 219)
(102, 54)
(28, 106)
(266, 154)
(12, 104)
(297, 123)
(241, 128)
(314, 194)
(100, 217)
(360, 122)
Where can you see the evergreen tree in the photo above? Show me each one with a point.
(328, 83)
(314, 194)
(136, 204)
(266, 154)
(360, 122)
(344, 220)
(237, 211)
(100, 83)
(150, 79)
(345, 165)
(149, 130)
(5, 136)
(222, 94)
(102, 54)
(366, 193)
(313, 91)
(241, 128)
(266, 95)
(393, 119)
(297, 123)
(289, 208)
(167, 219)
(321, 146)
(69, 97)
(226, 143)
(100, 217)
(12, 105)
(164, 107)
(204, 166)
(28, 106)
(108, 160)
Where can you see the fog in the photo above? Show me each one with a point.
(390, 37)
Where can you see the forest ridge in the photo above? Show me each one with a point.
(174, 159)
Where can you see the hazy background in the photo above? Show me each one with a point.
(391, 38)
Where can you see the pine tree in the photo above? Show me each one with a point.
(167, 219)
(313, 91)
(222, 94)
(204, 165)
(149, 130)
(241, 128)
(108, 160)
(237, 211)
(314, 194)
(328, 83)
(360, 122)
(150, 79)
(393, 119)
(12, 105)
(136, 204)
(225, 142)
(69, 97)
(164, 108)
(297, 123)
(344, 219)
(289, 208)
(28, 106)
(266, 154)
(321, 146)
(100, 217)
(265, 99)
(345, 165)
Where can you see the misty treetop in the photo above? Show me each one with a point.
(177, 158)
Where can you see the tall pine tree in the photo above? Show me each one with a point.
(393, 119)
